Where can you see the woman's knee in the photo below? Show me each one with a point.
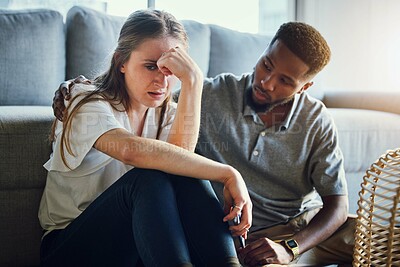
(191, 186)
(146, 181)
(143, 176)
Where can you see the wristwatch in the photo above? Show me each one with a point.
(293, 246)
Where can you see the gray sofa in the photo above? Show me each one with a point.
(39, 49)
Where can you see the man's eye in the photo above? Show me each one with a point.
(267, 67)
(284, 81)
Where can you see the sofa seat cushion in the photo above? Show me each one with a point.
(24, 146)
(32, 57)
(365, 135)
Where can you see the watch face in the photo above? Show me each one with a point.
(291, 243)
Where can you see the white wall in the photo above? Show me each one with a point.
(364, 36)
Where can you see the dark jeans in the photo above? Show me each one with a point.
(146, 217)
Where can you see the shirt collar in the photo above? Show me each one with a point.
(248, 111)
(285, 124)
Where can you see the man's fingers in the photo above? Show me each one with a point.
(81, 79)
(58, 105)
(64, 90)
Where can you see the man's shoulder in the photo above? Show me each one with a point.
(228, 79)
(226, 86)
(314, 111)
(221, 84)
(311, 104)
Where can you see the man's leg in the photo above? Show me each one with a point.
(337, 249)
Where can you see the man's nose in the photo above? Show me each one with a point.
(267, 83)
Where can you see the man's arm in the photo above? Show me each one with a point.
(324, 224)
(333, 214)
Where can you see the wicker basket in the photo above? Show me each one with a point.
(377, 236)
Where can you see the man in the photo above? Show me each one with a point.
(284, 143)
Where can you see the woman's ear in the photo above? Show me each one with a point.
(122, 68)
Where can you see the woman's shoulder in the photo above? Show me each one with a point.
(80, 88)
(86, 101)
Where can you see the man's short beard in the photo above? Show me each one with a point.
(264, 108)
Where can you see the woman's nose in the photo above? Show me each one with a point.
(160, 80)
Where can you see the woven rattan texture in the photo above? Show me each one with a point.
(377, 237)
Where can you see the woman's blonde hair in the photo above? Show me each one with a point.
(140, 26)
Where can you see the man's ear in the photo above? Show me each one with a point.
(305, 87)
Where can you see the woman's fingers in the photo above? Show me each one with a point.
(243, 227)
(177, 61)
(245, 218)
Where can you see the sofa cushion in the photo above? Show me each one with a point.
(199, 43)
(20, 231)
(91, 39)
(364, 135)
(32, 57)
(24, 146)
(228, 46)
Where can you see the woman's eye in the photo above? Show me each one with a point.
(152, 67)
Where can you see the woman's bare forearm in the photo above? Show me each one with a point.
(185, 128)
(154, 154)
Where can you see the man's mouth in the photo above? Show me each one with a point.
(259, 94)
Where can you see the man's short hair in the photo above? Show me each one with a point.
(306, 43)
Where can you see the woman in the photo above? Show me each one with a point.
(97, 210)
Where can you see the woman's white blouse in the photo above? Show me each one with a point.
(69, 191)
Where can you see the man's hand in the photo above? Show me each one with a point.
(264, 251)
(63, 93)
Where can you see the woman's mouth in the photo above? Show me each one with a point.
(157, 95)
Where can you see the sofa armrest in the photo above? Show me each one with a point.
(381, 101)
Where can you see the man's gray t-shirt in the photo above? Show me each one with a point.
(284, 166)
